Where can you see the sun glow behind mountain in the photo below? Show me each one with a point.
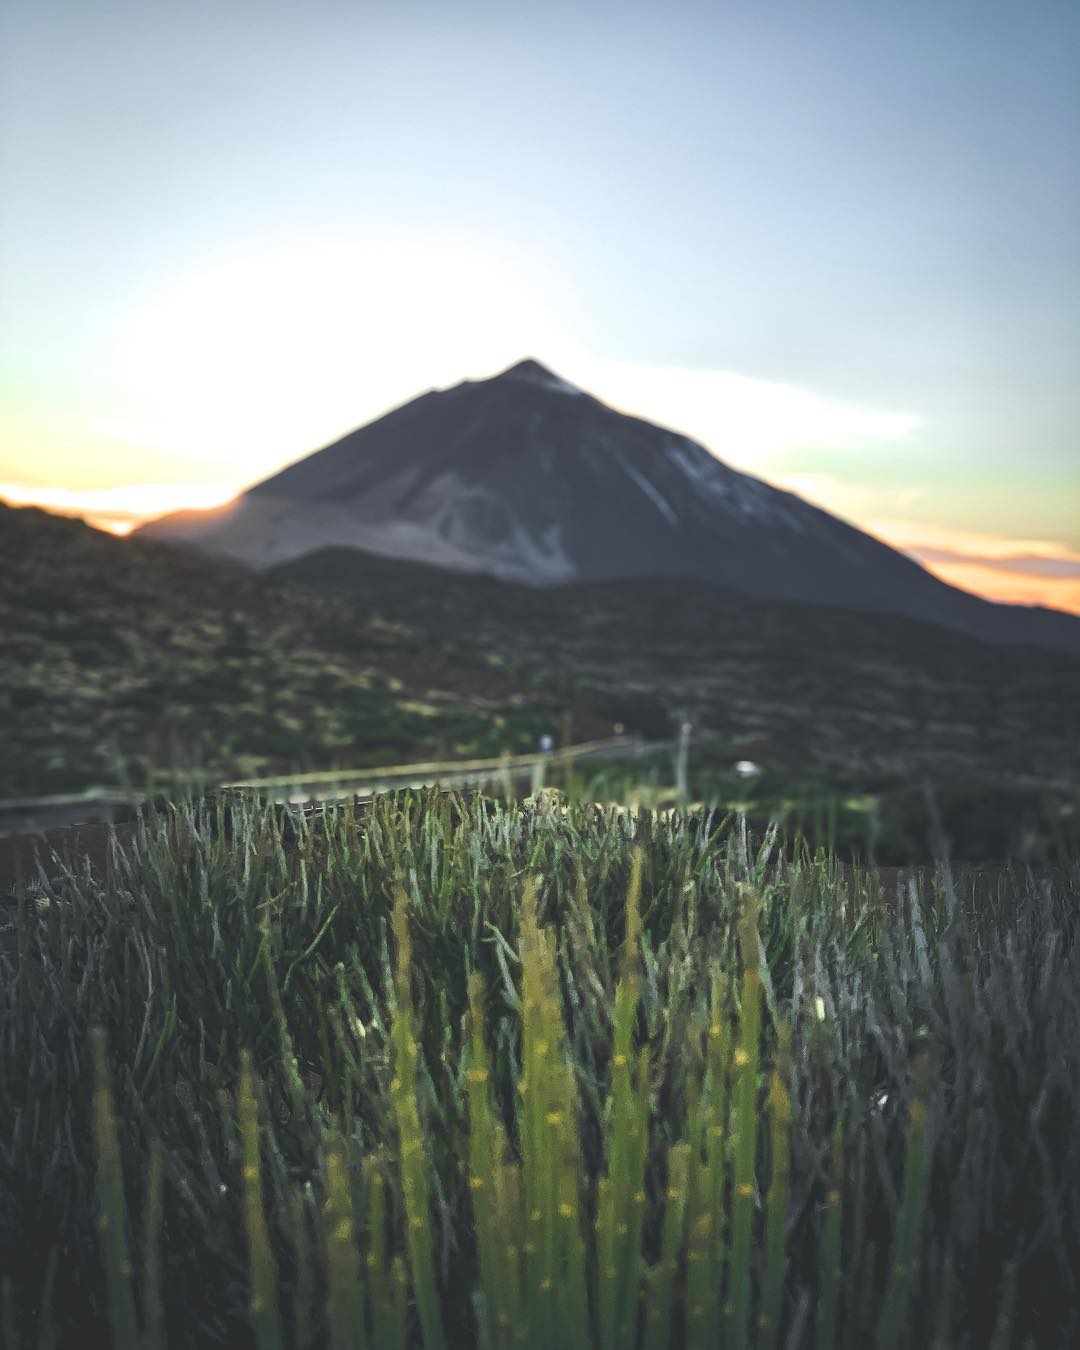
(119, 509)
(306, 342)
(256, 360)
(240, 365)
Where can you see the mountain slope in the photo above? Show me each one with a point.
(124, 660)
(802, 689)
(526, 478)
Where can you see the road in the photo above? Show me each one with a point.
(34, 815)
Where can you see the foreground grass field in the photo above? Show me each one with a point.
(452, 1074)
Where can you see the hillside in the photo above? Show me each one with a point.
(128, 661)
(527, 478)
(802, 689)
(124, 660)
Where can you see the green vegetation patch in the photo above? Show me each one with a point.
(445, 1073)
(129, 664)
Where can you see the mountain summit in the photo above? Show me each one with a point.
(524, 476)
(532, 372)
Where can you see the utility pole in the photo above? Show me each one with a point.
(682, 765)
(539, 768)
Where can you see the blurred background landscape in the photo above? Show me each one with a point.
(724, 376)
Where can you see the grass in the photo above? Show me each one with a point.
(455, 1074)
(877, 817)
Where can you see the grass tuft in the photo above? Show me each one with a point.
(534, 1077)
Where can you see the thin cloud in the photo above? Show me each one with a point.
(997, 567)
(741, 418)
(1012, 571)
(1028, 563)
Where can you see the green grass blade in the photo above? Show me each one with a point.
(777, 1200)
(894, 1312)
(744, 1138)
(830, 1263)
(661, 1292)
(414, 1178)
(153, 1311)
(304, 1292)
(344, 1289)
(111, 1220)
(262, 1303)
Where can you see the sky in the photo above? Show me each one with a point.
(838, 241)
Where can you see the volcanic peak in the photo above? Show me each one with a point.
(530, 371)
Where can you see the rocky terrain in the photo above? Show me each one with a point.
(803, 689)
(127, 663)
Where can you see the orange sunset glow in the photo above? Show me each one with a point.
(1005, 582)
(119, 510)
(1010, 571)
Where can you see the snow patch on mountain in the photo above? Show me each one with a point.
(748, 496)
(650, 491)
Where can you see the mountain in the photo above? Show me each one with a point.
(527, 478)
(125, 662)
